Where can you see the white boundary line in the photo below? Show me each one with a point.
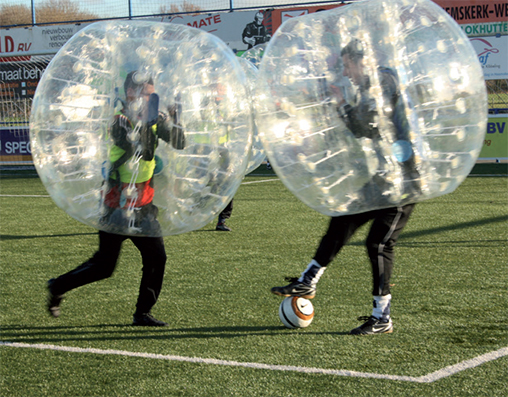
(432, 377)
(261, 181)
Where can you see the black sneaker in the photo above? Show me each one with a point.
(296, 288)
(373, 325)
(53, 300)
(221, 226)
(147, 320)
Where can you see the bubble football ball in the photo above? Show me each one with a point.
(87, 136)
(371, 105)
(255, 54)
(296, 312)
(257, 154)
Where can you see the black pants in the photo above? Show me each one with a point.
(383, 234)
(226, 212)
(104, 261)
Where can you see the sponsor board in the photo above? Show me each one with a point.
(475, 11)
(495, 145)
(493, 56)
(20, 79)
(15, 146)
(36, 40)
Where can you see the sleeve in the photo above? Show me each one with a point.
(361, 119)
(246, 33)
(398, 115)
(170, 130)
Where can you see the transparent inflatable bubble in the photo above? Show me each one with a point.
(124, 101)
(371, 105)
(257, 154)
(255, 54)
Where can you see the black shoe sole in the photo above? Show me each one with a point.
(372, 333)
(300, 296)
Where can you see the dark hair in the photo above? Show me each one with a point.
(130, 83)
(354, 50)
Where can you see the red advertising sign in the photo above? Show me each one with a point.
(475, 11)
(281, 15)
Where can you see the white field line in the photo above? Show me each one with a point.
(432, 377)
(261, 181)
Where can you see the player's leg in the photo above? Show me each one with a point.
(153, 255)
(223, 216)
(382, 238)
(338, 234)
(98, 267)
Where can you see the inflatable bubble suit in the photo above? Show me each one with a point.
(257, 154)
(371, 105)
(184, 118)
(255, 54)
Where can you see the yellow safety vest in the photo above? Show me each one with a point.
(145, 169)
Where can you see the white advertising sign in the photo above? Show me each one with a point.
(234, 28)
(493, 56)
(36, 40)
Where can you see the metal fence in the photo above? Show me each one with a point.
(17, 13)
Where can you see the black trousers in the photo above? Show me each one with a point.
(104, 261)
(226, 212)
(383, 234)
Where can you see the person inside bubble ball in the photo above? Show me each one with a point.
(134, 132)
(387, 223)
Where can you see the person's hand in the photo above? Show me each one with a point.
(250, 40)
(337, 92)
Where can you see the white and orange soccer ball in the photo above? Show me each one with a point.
(296, 312)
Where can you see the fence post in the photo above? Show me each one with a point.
(33, 13)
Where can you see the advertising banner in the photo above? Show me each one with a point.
(488, 28)
(493, 56)
(239, 30)
(282, 15)
(475, 11)
(36, 40)
(495, 146)
(15, 146)
(19, 80)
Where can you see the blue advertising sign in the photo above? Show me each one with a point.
(15, 146)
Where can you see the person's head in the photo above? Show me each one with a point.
(135, 87)
(258, 18)
(352, 58)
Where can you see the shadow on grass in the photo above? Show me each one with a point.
(106, 332)
(463, 225)
(11, 237)
(443, 229)
(404, 236)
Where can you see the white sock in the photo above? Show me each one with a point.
(312, 274)
(381, 308)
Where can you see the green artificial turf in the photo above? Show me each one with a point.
(449, 302)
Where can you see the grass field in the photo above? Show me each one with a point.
(225, 338)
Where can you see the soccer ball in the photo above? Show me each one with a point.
(296, 312)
